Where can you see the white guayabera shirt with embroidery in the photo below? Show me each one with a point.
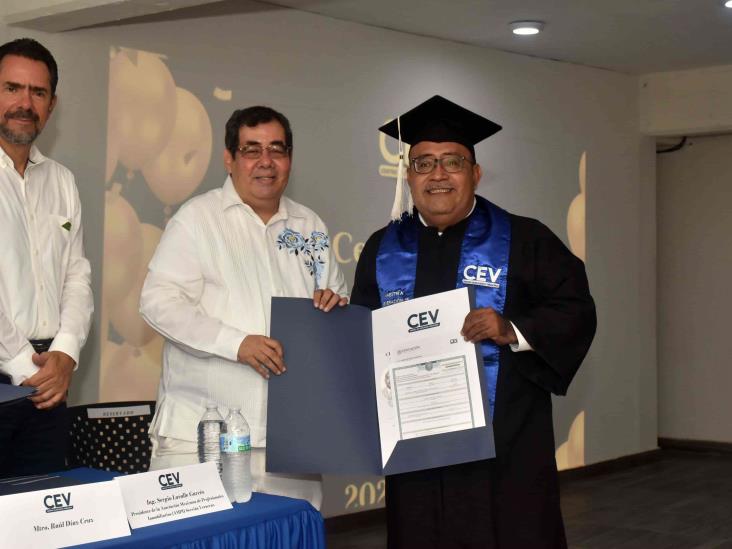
(45, 279)
(210, 284)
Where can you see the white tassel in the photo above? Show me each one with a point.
(398, 208)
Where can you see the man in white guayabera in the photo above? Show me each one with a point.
(222, 258)
(46, 301)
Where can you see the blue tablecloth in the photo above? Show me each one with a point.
(265, 522)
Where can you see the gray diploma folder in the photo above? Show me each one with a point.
(321, 413)
(10, 394)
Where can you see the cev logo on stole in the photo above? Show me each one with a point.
(479, 275)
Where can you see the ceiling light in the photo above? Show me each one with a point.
(525, 28)
(728, 4)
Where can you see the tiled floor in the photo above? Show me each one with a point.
(681, 500)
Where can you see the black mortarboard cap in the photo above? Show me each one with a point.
(440, 120)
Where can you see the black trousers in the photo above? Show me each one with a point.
(32, 441)
(471, 506)
(445, 508)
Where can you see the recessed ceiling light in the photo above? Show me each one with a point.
(525, 28)
(728, 4)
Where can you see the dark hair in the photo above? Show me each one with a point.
(31, 49)
(250, 117)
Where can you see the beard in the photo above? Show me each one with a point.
(15, 137)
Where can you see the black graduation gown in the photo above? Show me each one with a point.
(511, 501)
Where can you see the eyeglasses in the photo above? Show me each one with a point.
(254, 151)
(451, 163)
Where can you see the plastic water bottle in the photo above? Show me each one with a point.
(236, 451)
(209, 433)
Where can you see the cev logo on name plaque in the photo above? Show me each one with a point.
(62, 516)
(171, 494)
(58, 502)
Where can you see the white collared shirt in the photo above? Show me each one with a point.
(209, 285)
(45, 279)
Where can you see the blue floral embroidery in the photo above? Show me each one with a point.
(318, 241)
(311, 248)
(292, 241)
(315, 267)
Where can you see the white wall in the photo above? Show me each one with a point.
(693, 199)
(690, 102)
(694, 299)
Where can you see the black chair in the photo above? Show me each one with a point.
(110, 436)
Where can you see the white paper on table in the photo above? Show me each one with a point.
(69, 515)
(172, 494)
(426, 375)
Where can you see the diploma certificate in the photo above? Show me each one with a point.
(428, 374)
(382, 392)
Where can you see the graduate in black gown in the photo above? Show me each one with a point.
(539, 337)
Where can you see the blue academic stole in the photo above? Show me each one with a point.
(483, 265)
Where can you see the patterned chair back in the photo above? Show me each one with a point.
(111, 436)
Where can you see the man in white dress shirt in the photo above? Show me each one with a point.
(221, 259)
(45, 287)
